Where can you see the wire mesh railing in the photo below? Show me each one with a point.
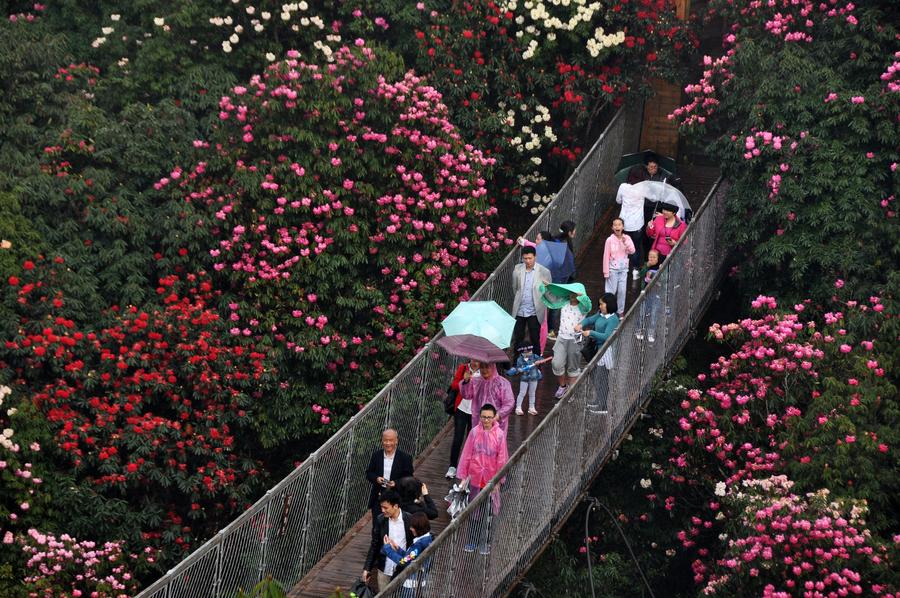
(287, 531)
(486, 549)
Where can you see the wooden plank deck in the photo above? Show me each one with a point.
(341, 566)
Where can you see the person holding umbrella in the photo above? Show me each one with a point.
(462, 413)
(665, 229)
(632, 215)
(648, 171)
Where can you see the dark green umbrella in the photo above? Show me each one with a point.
(629, 161)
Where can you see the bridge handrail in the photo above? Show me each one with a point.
(300, 519)
(687, 279)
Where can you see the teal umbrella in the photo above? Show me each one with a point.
(481, 318)
(556, 295)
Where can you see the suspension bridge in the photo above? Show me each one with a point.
(311, 531)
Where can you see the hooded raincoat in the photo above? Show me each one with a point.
(495, 390)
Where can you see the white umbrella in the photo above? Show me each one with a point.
(660, 191)
(457, 499)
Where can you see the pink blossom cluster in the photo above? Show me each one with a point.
(703, 104)
(27, 17)
(378, 189)
(790, 20)
(743, 427)
(797, 23)
(892, 75)
(814, 545)
(79, 568)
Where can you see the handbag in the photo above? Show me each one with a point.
(450, 401)
(589, 349)
(361, 590)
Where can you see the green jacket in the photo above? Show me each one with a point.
(602, 326)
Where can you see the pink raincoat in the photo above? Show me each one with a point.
(495, 390)
(484, 454)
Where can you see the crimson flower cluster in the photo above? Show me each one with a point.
(147, 406)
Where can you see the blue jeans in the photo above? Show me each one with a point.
(479, 532)
(650, 309)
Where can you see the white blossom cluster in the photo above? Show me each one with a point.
(324, 48)
(259, 19)
(529, 139)
(601, 41)
(6, 435)
(537, 18)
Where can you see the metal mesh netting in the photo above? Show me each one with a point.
(276, 536)
(546, 475)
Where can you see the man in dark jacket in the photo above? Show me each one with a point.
(388, 464)
(392, 522)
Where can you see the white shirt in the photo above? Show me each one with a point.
(570, 315)
(465, 405)
(632, 212)
(388, 465)
(526, 308)
(397, 533)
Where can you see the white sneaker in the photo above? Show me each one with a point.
(639, 335)
(532, 411)
(519, 411)
(560, 391)
(451, 473)
(651, 338)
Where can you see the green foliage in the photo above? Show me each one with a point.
(267, 588)
(807, 132)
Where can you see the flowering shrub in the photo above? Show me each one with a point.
(802, 543)
(799, 401)
(775, 474)
(65, 567)
(147, 407)
(802, 107)
(338, 201)
(343, 237)
(552, 67)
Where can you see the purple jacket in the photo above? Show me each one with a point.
(497, 391)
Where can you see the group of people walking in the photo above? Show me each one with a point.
(549, 306)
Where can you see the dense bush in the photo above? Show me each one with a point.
(209, 265)
(777, 474)
(343, 212)
(801, 112)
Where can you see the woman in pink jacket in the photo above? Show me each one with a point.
(665, 229)
(491, 388)
(483, 456)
